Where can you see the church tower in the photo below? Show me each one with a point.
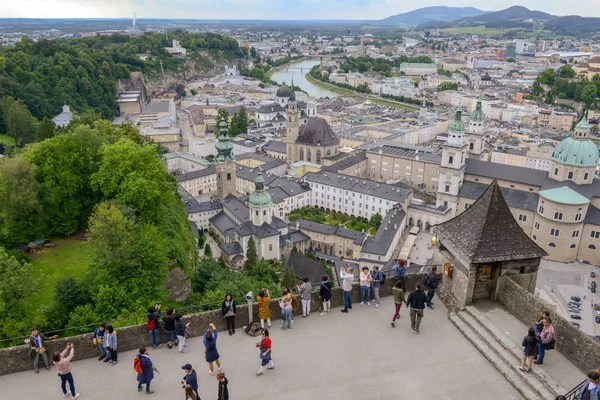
(311, 108)
(292, 128)
(226, 179)
(474, 132)
(260, 202)
(454, 154)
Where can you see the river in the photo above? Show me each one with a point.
(297, 71)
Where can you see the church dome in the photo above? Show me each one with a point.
(260, 197)
(576, 152)
(457, 124)
(284, 91)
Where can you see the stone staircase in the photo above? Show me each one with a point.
(504, 355)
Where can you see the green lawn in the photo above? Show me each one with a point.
(332, 219)
(7, 139)
(68, 258)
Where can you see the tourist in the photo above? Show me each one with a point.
(153, 325)
(545, 337)
(170, 330)
(399, 271)
(416, 301)
(264, 348)
(147, 371)
(325, 294)
(190, 380)
(294, 303)
(223, 391)
(99, 341)
(539, 325)
(286, 309)
(376, 278)
(529, 348)
(399, 298)
(229, 311)
(304, 291)
(365, 286)
(432, 283)
(210, 348)
(264, 307)
(182, 330)
(347, 279)
(110, 339)
(36, 341)
(62, 361)
(590, 391)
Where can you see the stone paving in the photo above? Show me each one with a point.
(338, 356)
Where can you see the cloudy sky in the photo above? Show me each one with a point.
(265, 9)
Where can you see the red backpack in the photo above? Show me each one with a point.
(151, 325)
(137, 365)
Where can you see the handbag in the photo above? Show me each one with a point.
(42, 350)
(550, 344)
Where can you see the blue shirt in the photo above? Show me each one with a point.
(192, 380)
(400, 271)
(377, 276)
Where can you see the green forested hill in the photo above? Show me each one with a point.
(83, 72)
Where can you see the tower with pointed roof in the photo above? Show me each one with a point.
(454, 154)
(225, 163)
(292, 127)
(260, 202)
(474, 132)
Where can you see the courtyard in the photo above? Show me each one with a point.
(333, 219)
(338, 356)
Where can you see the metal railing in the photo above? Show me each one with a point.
(118, 323)
(573, 392)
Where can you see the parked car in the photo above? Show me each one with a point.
(575, 310)
(593, 290)
(598, 319)
(597, 307)
(575, 324)
(593, 284)
(576, 298)
(575, 316)
(593, 274)
(597, 313)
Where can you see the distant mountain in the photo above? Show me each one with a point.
(426, 14)
(573, 25)
(515, 16)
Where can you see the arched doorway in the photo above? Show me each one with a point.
(419, 224)
(427, 226)
(410, 221)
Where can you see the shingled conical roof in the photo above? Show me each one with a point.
(488, 232)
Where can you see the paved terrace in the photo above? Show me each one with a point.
(338, 356)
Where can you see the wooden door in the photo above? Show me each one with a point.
(484, 281)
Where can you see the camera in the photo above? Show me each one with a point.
(249, 296)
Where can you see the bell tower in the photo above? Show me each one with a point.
(454, 154)
(292, 128)
(226, 178)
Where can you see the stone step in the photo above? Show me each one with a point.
(510, 373)
(534, 383)
(516, 350)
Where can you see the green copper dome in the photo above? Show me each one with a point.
(576, 152)
(457, 125)
(583, 124)
(223, 146)
(260, 197)
(478, 115)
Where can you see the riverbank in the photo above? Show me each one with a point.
(351, 93)
(273, 70)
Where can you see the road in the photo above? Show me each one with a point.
(557, 282)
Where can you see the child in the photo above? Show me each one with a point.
(111, 343)
(182, 331)
(36, 341)
(99, 341)
(223, 391)
(264, 351)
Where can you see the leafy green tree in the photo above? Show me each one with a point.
(589, 94)
(289, 279)
(376, 220)
(207, 251)
(18, 285)
(68, 294)
(447, 86)
(251, 255)
(20, 124)
(566, 71)
(547, 77)
(595, 129)
(239, 122)
(45, 130)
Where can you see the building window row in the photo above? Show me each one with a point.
(555, 232)
(522, 217)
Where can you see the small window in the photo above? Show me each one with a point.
(522, 270)
(572, 246)
(537, 226)
(570, 175)
(476, 179)
(512, 186)
(558, 216)
(578, 217)
(447, 188)
(595, 234)
(270, 247)
(522, 217)
(592, 246)
(575, 234)
(552, 244)
(585, 176)
(555, 232)
(450, 160)
(534, 237)
(555, 171)
(541, 210)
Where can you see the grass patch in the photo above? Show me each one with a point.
(68, 258)
(332, 219)
(392, 104)
(329, 86)
(4, 138)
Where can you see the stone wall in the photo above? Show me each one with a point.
(579, 348)
(16, 359)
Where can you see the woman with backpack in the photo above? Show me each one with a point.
(325, 294)
(169, 321)
(264, 309)
(182, 331)
(210, 348)
(143, 366)
(229, 311)
(153, 325)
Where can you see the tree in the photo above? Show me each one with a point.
(239, 122)
(207, 251)
(45, 130)
(447, 86)
(20, 124)
(589, 94)
(289, 278)
(547, 77)
(376, 220)
(595, 129)
(251, 255)
(566, 71)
